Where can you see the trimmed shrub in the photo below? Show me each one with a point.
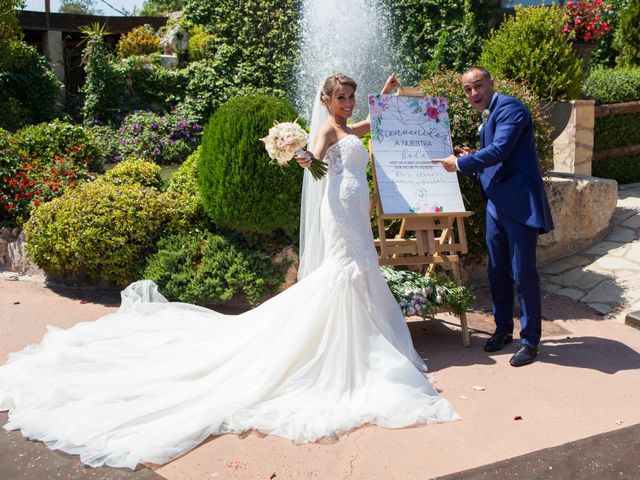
(183, 193)
(617, 131)
(240, 187)
(135, 171)
(29, 87)
(99, 230)
(139, 41)
(200, 267)
(621, 169)
(613, 85)
(627, 36)
(161, 139)
(529, 48)
(464, 132)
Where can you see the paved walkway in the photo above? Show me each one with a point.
(606, 276)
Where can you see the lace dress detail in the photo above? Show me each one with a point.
(155, 379)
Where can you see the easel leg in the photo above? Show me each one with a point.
(466, 341)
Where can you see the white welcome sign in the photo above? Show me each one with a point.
(406, 133)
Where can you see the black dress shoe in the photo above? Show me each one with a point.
(497, 341)
(524, 356)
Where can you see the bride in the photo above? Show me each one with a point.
(156, 378)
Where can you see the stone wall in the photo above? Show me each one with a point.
(582, 207)
(13, 256)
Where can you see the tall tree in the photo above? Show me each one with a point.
(79, 7)
(157, 8)
(9, 27)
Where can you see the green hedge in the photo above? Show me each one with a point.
(612, 85)
(621, 169)
(617, 131)
(241, 188)
(529, 48)
(100, 230)
(200, 267)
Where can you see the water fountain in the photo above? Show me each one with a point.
(349, 37)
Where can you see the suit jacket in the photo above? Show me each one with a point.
(506, 166)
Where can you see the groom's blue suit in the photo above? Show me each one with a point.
(506, 167)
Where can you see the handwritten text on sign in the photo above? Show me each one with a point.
(406, 133)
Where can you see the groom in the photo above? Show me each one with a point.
(506, 167)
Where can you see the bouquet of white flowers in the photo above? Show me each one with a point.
(285, 140)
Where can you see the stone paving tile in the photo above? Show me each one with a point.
(578, 278)
(602, 308)
(617, 263)
(622, 235)
(606, 292)
(565, 264)
(605, 247)
(572, 293)
(634, 251)
(632, 222)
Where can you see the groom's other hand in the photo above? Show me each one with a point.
(462, 150)
(449, 163)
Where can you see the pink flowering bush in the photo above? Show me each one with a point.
(585, 18)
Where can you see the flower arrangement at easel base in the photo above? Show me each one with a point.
(426, 296)
(584, 18)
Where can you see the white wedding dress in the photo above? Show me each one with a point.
(155, 379)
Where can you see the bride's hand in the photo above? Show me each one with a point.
(303, 158)
(391, 84)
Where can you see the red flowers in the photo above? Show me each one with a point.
(35, 180)
(584, 17)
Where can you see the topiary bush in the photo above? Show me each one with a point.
(29, 87)
(240, 188)
(464, 132)
(200, 266)
(135, 171)
(613, 85)
(99, 230)
(529, 48)
(139, 41)
(627, 36)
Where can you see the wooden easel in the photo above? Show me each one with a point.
(434, 242)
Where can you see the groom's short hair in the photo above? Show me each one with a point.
(484, 71)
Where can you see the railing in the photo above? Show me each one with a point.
(616, 109)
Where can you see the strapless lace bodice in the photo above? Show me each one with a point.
(345, 209)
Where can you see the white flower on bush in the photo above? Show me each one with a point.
(438, 299)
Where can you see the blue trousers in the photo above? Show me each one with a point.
(512, 260)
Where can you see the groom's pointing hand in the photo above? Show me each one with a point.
(449, 163)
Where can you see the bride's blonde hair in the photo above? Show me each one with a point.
(332, 83)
